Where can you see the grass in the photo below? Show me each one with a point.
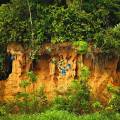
(63, 115)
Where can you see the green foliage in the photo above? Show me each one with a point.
(59, 21)
(114, 102)
(63, 115)
(76, 99)
(81, 46)
(24, 83)
(13, 28)
(22, 99)
(97, 106)
(2, 111)
(41, 101)
(1, 62)
(31, 102)
(36, 101)
(32, 76)
(109, 41)
(70, 24)
(84, 73)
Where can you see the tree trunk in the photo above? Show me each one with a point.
(31, 23)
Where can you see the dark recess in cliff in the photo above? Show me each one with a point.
(118, 66)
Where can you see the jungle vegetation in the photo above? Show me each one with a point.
(40, 21)
(35, 22)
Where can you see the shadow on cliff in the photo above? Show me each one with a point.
(5, 72)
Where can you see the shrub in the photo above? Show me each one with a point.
(84, 74)
(2, 111)
(114, 102)
(26, 102)
(97, 106)
(81, 46)
(77, 97)
(32, 102)
(75, 100)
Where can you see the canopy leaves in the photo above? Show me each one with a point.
(57, 21)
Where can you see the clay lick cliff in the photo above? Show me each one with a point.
(56, 67)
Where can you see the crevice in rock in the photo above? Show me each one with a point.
(56, 76)
(118, 66)
(76, 69)
(7, 66)
(9, 61)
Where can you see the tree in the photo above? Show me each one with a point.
(32, 22)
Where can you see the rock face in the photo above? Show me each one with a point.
(104, 72)
(56, 67)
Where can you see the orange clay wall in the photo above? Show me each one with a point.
(51, 76)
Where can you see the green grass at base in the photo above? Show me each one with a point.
(63, 115)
